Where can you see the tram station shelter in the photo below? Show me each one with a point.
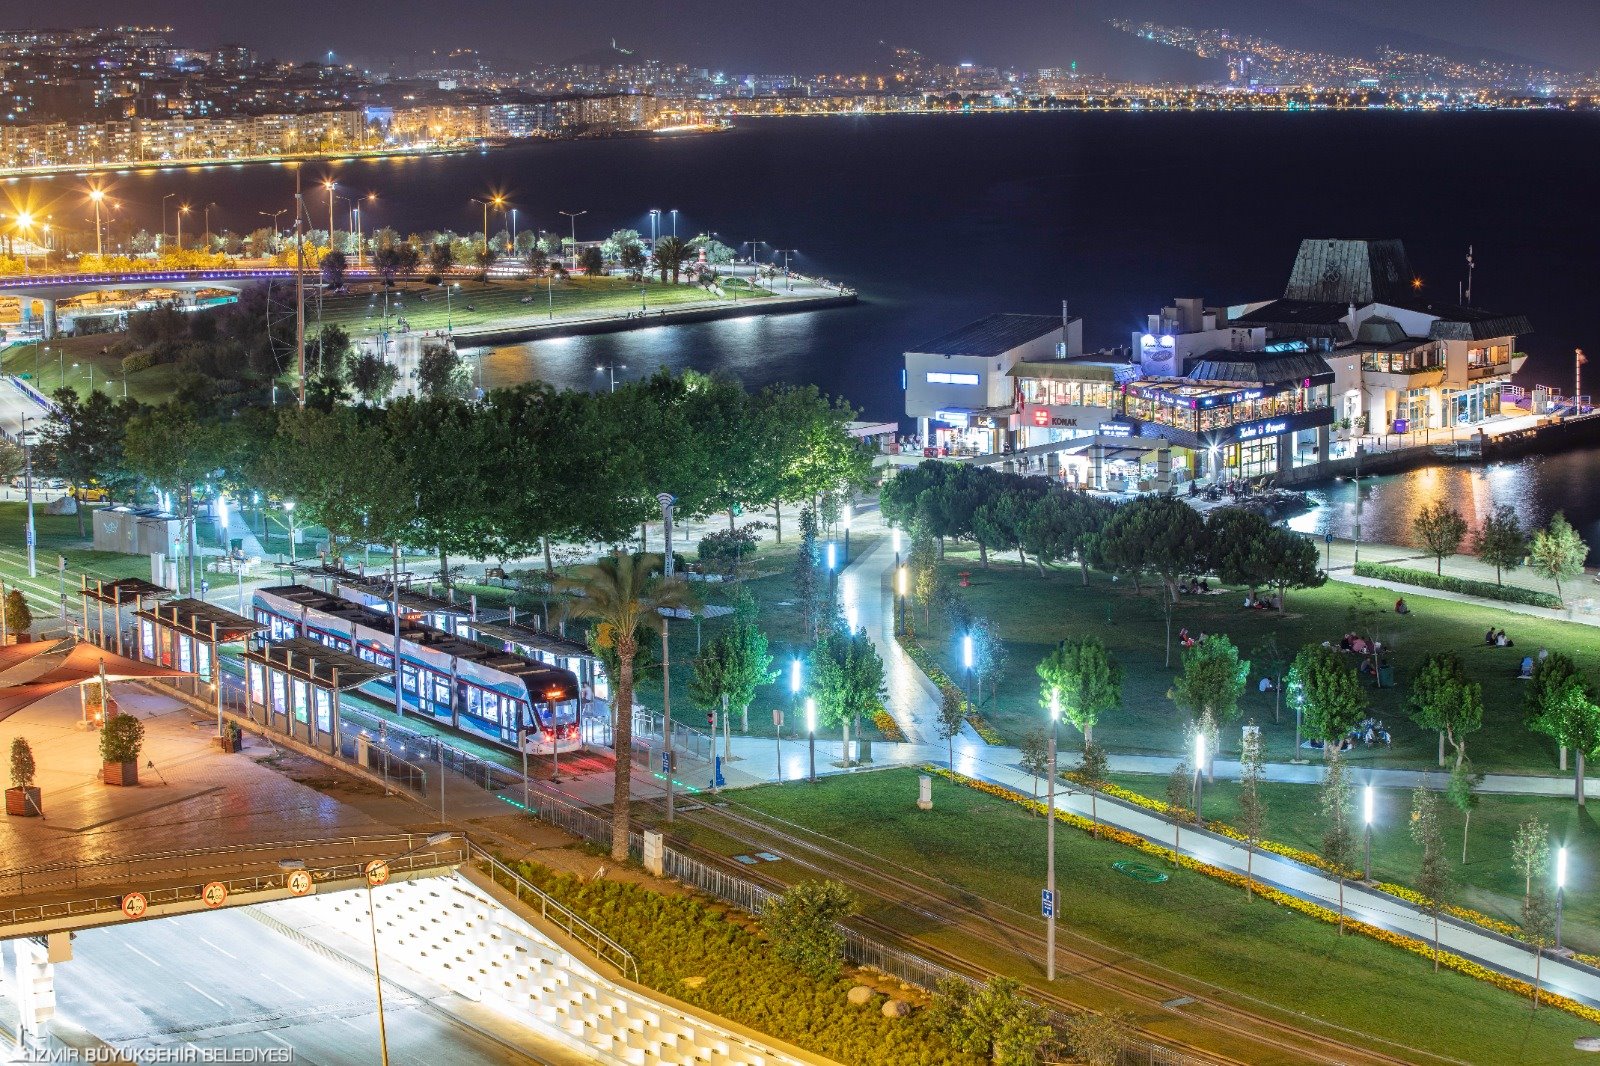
(188, 635)
(130, 592)
(293, 686)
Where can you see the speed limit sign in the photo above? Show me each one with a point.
(299, 882)
(215, 894)
(377, 872)
(134, 905)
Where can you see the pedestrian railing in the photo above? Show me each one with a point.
(552, 911)
(169, 864)
(452, 854)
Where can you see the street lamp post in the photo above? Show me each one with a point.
(845, 519)
(164, 200)
(833, 560)
(1366, 817)
(1050, 845)
(1199, 773)
(329, 185)
(1561, 889)
(26, 438)
(96, 196)
(788, 283)
(573, 215)
(378, 870)
(811, 738)
(183, 209)
(610, 368)
(674, 213)
(966, 665)
(288, 509)
(655, 226)
(900, 583)
(208, 208)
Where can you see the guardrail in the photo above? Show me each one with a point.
(445, 855)
(551, 910)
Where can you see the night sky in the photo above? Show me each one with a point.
(834, 34)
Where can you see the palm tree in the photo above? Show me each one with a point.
(670, 255)
(624, 594)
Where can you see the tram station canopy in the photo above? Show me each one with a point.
(84, 662)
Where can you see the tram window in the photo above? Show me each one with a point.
(204, 665)
(147, 639)
(491, 706)
(441, 690)
(278, 694)
(324, 703)
(299, 700)
(408, 677)
(185, 653)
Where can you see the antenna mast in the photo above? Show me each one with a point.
(1469, 275)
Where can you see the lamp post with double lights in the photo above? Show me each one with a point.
(573, 216)
(610, 368)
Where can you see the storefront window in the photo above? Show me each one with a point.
(1490, 355)
(1054, 393)
(1401, 362)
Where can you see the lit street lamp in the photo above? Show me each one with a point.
(1199, 773)
(966, 665)
(845, 519)
(610, 368)
(1561, 889)
(95, 197)
(183, 209)
(573, 215)
(1366, 817)
(900, 582)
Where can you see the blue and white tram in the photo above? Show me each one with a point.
(480, 691)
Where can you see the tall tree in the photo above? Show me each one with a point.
(990, 654)
(333, 267)
(1235, 546)
(1433, 872)
(1327, 692)
(86, 438)
(1557, 551)
(1440, 528)
(1538, 929)
(1444, 701)
(1085, 678)
(737, 663)
(1211, 682)
(372, 377)
(670, 256)
(1289, 560)
(1462, 792)
(847, 676)
(172, 449)
(1338, 842)
(442, 373)
(1530, 852)
(624, 595)
(1562, 706)
(952, 713)
(1501, 541)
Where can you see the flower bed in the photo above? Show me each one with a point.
(1487, 590)
(679, 937)
(886, 724)
(942, 682)
(1313, 910)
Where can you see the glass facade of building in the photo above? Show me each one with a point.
(1204, 407)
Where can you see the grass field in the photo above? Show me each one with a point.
(77, 360)
(1034, 613)
(477, 305)
(993, 851)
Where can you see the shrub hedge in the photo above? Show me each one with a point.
(675, 937)
(1464, 585)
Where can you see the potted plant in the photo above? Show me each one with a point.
(120, 742)
(22, 798)
(232, 738)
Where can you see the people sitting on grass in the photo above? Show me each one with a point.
(1527, 668)
(1502, 641)
(1400, 606)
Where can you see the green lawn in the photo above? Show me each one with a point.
(991, 850)
(1033, 613)
(77, 360)
(476, 304)
(1486, 882)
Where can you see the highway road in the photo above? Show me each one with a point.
(14, 403)
(222, 980)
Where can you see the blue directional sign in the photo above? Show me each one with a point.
(717, 780)
(666, 762)
(1047, 904)
(1327, 538)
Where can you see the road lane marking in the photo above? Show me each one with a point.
(143, 956)
(214, 947)
(208, 995)
(296, 993)
(277, 1039)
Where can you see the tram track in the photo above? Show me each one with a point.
(998, 926)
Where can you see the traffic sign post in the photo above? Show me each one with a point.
(134, 905)
(215, 894)
(377, 872)
(299, 882)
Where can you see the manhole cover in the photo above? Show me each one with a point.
(1139, 871)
